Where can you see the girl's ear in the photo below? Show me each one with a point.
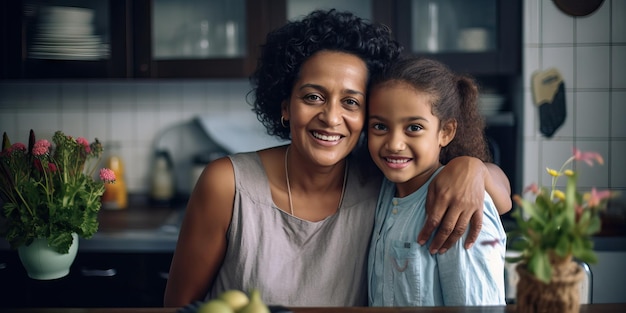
(447, 132)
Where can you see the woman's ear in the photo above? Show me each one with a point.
(284, 108)
(447, 132)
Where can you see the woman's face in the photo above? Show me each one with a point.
(326, 110)
(404, 137)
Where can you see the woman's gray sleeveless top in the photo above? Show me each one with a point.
(294, 262)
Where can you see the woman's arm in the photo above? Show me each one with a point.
(202, 240)
(455, 199)
(475, 276)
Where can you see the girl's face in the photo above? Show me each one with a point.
(404, 137)
(326, 110)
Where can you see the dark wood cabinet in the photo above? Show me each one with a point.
(18, 32)
(96, 279)
(127, 29)
(128, 33)
(260, 17)
(503, 58)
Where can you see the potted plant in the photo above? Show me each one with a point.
(553, 230)
(50, 198)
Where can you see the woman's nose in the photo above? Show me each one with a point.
(331, 114)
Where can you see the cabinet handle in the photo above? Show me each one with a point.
(98, 273)
(164, 275)
(3, 266)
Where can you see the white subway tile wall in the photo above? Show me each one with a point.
(134, 113)
(590, 53)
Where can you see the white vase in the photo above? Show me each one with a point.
(44, 263)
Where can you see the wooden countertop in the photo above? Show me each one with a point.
(586, 308)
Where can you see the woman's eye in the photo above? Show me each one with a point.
(312, 98)
(352, 102)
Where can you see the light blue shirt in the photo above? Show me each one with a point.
(403, 273)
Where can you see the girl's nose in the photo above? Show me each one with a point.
(395, 143)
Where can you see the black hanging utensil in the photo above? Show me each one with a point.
(549, 96)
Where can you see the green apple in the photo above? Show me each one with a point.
(236, 299)
(215, 306)
(255, 305)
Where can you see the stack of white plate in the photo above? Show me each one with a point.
(490, 104)
(67, 33)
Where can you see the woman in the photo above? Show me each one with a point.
(295, 221)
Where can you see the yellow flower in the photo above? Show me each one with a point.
(560, 225)
(559, 195)
(552, 172)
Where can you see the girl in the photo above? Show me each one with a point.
(421, 115)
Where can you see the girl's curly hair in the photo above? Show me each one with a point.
(289, 46)
(454, 97)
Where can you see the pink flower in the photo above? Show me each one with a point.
(41, 147)
(107, 175)
(588, 157)
(532, 188)
(597, 196)
(84, 143)
(18, 146)
(52, 167)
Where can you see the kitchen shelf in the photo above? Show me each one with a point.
(500, 119)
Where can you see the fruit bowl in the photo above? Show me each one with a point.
(193, 308)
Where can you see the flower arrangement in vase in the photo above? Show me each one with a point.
(551, 233)
(49, 191)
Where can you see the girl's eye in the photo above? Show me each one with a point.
(414, 128)
(379, 126)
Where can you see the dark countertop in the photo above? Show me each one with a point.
(143, 227)
(138, 228)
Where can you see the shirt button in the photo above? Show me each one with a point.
(395, 202)
(394, 211)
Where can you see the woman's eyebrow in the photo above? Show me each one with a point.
(320, 87)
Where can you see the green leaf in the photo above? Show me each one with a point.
(570, 199)
(539, 265)
(6, 143)
(530, 209)
(563, 246)
(595, 225)
(61, 242)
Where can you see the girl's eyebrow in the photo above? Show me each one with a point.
(408, 119)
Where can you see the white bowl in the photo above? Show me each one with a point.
(489, 104)
(70, 15)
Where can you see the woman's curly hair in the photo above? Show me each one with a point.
(289, 46)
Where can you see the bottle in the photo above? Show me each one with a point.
(115, 195)
(162, 188)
